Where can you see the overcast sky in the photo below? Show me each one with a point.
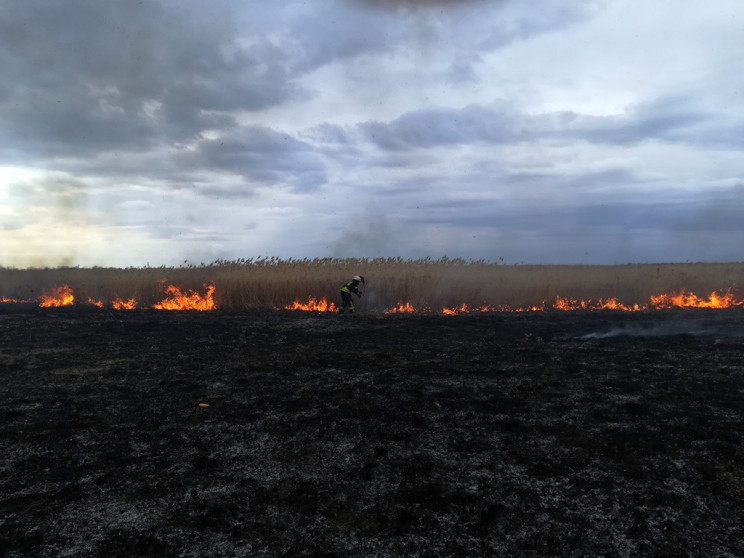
(550, 131)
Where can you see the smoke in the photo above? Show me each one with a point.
(368, 236)
(663, 330)
(372, 300)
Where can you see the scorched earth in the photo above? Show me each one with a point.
(279, 433)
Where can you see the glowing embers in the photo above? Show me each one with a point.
(465, 309)
(312, 305)
(190, 300)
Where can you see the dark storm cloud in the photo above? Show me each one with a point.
(516, 199)
(340, 30)
(484, 214)
(668, 119)
(434, 127)
(547, 184)
(263, 155)
(330, 134)
(336, 31)
(95, 75)
(61, 122)
(696, 213)
(462, 68)
(537, 18)
(723, 130)
(83, 76)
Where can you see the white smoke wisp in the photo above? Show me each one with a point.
(369, 299)
(659, 330)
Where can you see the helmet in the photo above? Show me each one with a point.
(359, 278)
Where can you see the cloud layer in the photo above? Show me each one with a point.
(158, 132)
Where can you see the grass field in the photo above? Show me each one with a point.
(264, 284)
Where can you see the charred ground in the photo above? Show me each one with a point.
(562, 434)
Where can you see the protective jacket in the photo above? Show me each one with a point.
(351, 287)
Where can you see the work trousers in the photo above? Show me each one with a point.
(346, 303)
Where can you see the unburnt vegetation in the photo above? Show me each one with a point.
(265, 284)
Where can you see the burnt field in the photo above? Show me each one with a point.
(546, 433)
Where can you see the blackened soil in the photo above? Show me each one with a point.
(557, 434)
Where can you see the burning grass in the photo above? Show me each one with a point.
(174, 300)
(190, 300)
(393, 286)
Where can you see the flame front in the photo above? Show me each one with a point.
(60, 296)
(656, 302)
(190, 300)
(313, 305)
(690, 300)
(176, 300)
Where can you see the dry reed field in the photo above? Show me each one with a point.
(270, 283)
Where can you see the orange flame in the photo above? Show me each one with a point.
(120, 304)
(176, 300)
(679, 300)
(60, 296)
(534, 308)
(569, 304)
(93, 302)
(465, 308)
(614, 304)
(400, 308)
(313, 305)
(190, 300)
(690, 300)
(456, 310)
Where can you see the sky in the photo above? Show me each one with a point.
(164, 132)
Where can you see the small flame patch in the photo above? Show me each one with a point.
(190, 300)
(59, 296)
(312, 305)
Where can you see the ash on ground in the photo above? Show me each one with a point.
(152, 433)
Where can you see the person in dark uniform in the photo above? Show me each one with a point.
(353, 286)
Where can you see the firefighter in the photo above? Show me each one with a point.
(353, 286)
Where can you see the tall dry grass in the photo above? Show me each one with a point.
(260, 284)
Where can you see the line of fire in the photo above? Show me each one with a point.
(177, 299)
